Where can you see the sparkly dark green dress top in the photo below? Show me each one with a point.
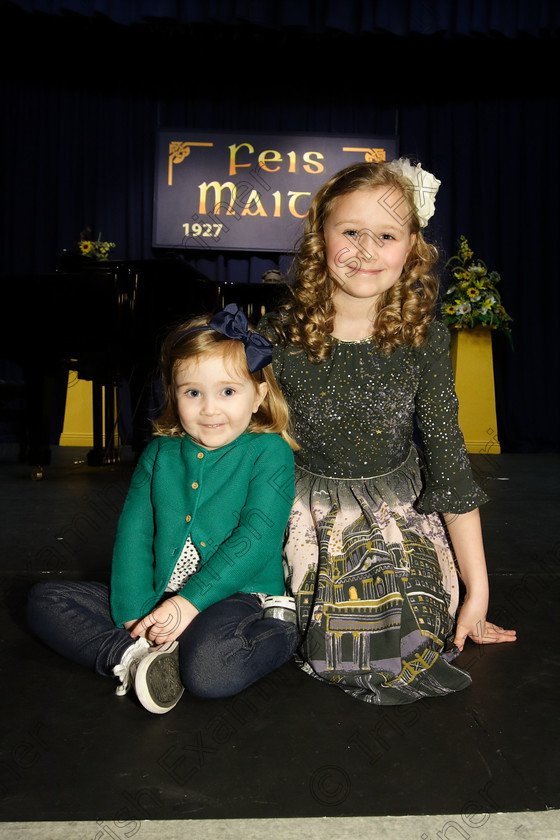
(366, 555)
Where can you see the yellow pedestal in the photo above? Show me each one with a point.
(78, 415)
(471, 357)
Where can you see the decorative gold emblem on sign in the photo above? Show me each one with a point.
(370, 155)
(178, 151)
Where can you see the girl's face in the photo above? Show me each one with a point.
(367, 243)
(214, 405)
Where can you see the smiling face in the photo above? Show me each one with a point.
(214, 402)
(366, 246)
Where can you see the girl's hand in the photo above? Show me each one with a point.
(466, 537)
(166, 622)
(130, 625)
(471, 622)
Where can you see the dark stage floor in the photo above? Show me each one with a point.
(289, 746)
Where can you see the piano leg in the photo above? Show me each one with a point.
(111, 425)
(41, 391)
(104, 408)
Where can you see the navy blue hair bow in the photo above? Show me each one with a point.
(232, 322)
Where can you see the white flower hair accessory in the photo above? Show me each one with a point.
(424, 186)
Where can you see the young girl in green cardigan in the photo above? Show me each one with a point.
(196, 599)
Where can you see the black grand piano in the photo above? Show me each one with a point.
(105, 321)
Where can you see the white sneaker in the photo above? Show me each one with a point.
(126, 669)
(158, 679)
(280, 606)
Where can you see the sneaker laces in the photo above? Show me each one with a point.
(126, 669)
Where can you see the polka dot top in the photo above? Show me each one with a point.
(354, 414)
(185, 567)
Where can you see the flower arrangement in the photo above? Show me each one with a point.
(94, 249)
(472, 300)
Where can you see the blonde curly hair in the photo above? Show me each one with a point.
(404, 311)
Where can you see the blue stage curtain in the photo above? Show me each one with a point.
(79, 150)
(471, 18)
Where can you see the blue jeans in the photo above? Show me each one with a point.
(225, 648)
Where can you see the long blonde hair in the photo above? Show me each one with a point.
(271, 416)
(404, 311)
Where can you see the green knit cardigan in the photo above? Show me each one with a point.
(234, 502)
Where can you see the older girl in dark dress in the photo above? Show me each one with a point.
(378, 529)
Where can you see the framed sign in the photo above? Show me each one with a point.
(248, 192)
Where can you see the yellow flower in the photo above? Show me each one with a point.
(96, 249)
(464, 249)
(449, 309)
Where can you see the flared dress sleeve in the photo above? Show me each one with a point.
(449, 483)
